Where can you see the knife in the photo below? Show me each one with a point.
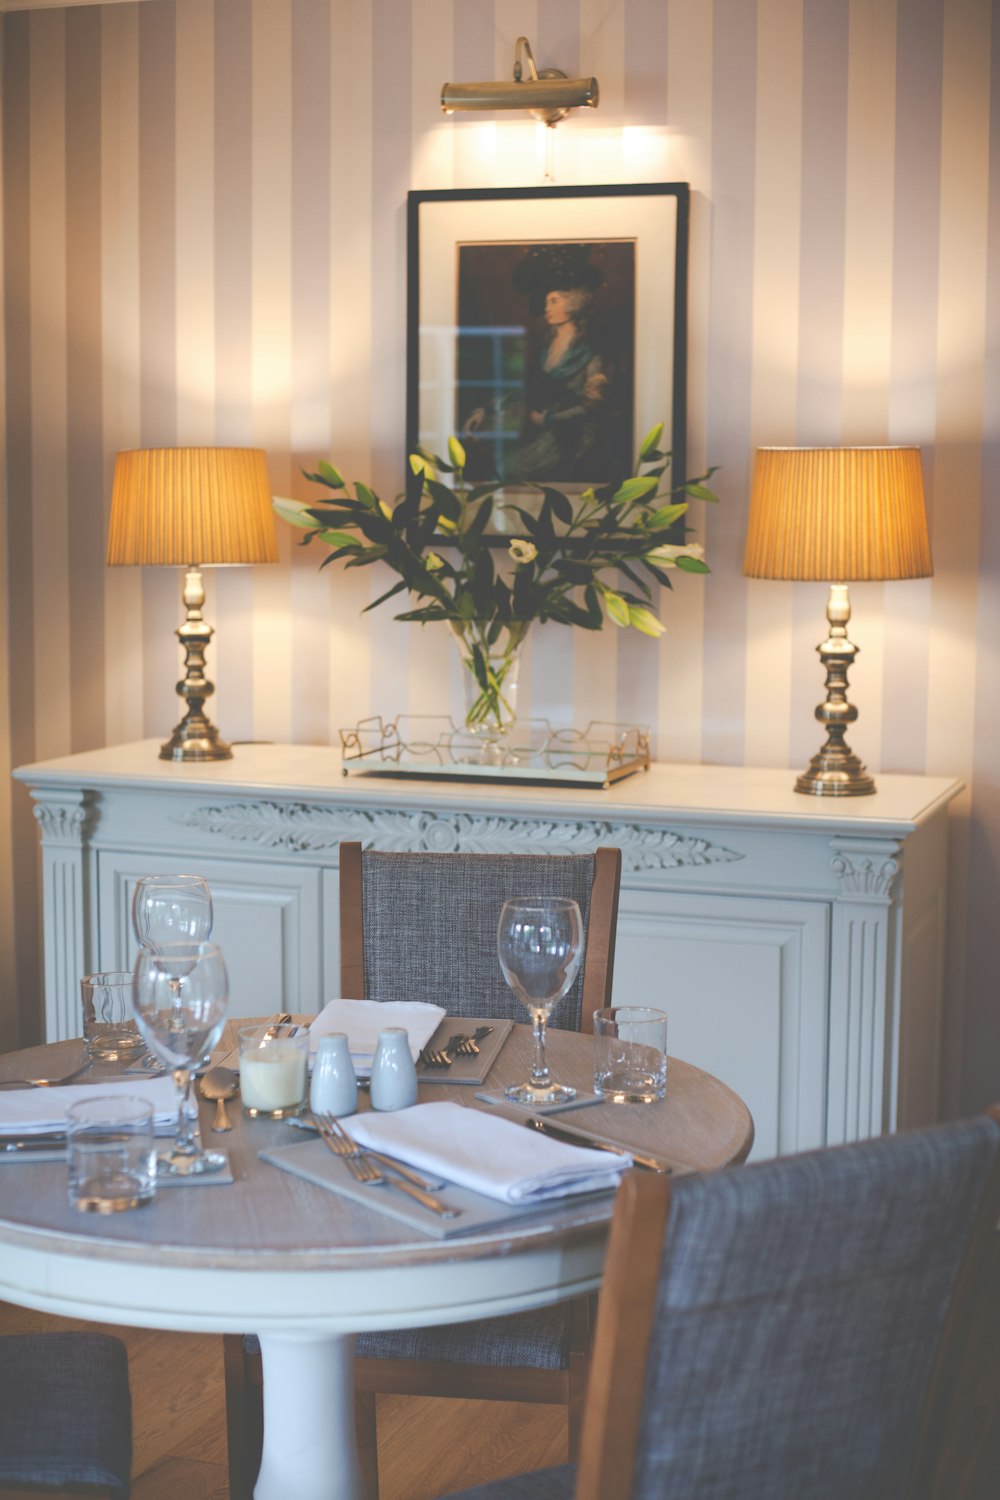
(42, 1141)
(579, 1138)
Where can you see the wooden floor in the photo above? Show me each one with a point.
(427, 1448)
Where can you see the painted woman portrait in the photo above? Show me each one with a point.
(546, 343)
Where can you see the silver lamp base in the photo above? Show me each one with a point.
(835, 770)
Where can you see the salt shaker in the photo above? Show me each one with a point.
(394, 1076)
(334, 1088)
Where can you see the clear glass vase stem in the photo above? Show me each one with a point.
(540, 1077)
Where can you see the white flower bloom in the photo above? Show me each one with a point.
(295, 512)
(522, 551)
(666, 555)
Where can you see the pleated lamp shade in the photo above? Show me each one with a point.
(191, 507)
(837, 515)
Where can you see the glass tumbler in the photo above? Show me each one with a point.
(110, 1153)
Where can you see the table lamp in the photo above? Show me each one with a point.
(192, 507)
(837, 515)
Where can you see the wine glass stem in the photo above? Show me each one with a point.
(539, 1067)
(185, 1141)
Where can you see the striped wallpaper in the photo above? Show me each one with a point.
(203, 242)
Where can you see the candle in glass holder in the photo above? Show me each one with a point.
(273, 1072)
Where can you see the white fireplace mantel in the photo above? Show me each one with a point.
(797, 944)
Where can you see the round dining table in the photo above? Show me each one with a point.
(306, 1269)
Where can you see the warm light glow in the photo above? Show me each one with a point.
(837, 515)
(191, 506)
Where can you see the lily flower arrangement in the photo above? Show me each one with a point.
(579, 560)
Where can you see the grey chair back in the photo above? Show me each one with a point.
(798, 1313)
(429, 926)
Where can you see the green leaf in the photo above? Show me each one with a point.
(368, 497)
(659, 520)
(456, 453)
(634, 489)
(562, 508)
(700, 492)
(397, 588)
(338, 538)
(333, 476)
(691, 565)
(651, 442)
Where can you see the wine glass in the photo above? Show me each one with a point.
(171, 909)
(180, 994)
(540, 945)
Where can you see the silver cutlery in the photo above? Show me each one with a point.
(579, 1138)
(220, 1084)
(346, 1145)
(44, 1083)
(363, 1169)
(462, 1044)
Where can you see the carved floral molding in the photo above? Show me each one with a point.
(302, 827)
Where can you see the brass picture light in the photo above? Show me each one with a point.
(548, 95)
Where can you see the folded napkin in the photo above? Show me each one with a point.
(491, 1156)
(29, 1110)
(362, 1020)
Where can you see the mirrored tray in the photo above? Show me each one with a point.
(534, 750)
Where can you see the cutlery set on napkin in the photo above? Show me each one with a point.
(490, 1169)
(34, 1120)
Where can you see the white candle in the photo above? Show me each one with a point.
(273, 1076)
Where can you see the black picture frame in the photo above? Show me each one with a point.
(472, 252)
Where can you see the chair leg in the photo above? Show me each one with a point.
(244, 1420)
(366, 1427)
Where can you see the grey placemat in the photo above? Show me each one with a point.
(472, 1069)
(316, 1163)
(497, 1096)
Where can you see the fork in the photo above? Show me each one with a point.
(44, 1083)
(459, 1045)
(363, 1169)
(345, 1145)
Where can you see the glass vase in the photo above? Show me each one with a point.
(491, 657)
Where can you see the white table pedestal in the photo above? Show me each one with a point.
(310, 1446)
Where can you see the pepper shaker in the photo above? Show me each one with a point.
(334, 1088)
(394, 1075)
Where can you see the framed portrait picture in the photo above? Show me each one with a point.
(546, 329)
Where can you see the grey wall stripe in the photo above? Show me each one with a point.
(88, 571)
(559, 38)
(821, 311)
(391, 84)
(982, 1014)
(730, 334)
(157, 335)
(231, 660)
(16, 144)
(646, 28)
(311, 251)
(912, 414)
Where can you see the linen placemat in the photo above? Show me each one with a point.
(315, 1162)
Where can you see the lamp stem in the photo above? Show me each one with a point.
(196, 737)
(835, 771)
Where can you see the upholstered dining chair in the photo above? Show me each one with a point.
(65, 1414)
(790, 1330)
(424, 927)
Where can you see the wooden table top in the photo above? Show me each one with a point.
(269, 1220)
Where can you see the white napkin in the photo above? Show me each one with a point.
(362, 1020)
(26, 1111)
(492, 1156)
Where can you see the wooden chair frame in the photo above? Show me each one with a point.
(625, 1320)
(565, 1387)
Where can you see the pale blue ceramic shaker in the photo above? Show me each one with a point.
(394, 1076)
(334, 1088)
